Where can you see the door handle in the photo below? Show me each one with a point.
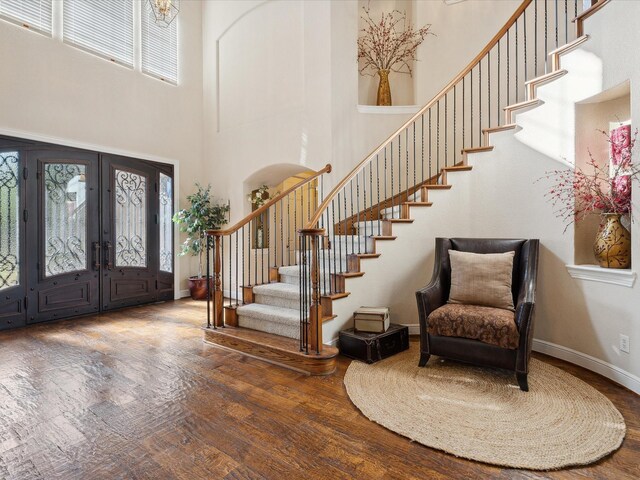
(107, 256)
(96, 255)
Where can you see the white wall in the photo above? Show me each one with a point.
(52, 91)
(462, 30)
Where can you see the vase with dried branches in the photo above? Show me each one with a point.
(388, 45)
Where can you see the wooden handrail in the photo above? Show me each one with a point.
(492, 43)
(266, 206)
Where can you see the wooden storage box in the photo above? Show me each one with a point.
(372, 347)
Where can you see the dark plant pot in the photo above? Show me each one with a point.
(198, 287)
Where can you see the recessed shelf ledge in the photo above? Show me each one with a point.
(392, 110)
(595, 273)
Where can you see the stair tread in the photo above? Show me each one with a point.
(546, 77)
(501, 128)
(282, 290)
(569, 46)
(519, 105)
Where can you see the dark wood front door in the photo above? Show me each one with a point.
(129, 233)
(63, 236)
(81, 232)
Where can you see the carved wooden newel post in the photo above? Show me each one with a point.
(311, 241)
(218, 297)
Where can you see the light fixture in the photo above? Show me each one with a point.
(164, 11)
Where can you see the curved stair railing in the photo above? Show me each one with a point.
(250, 252)
(415, 159)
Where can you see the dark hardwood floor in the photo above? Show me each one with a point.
(136, 394)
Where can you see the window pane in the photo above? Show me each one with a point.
(34, 14)
(9, 221)
(159, 48)
(166, 226)
(130, 219)
(101, 27)
(65, 218)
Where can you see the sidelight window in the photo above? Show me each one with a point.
(9, 220)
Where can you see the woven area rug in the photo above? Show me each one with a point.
(482, 415)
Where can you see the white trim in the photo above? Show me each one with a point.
(391, 110)
(596, 365)
(182, 294)
(595, 273)
(332, 343)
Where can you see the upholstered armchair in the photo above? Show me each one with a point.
(483, 336)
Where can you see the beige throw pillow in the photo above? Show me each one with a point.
(481, 279)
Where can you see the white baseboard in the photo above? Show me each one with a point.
(596, 365)
(183, 294)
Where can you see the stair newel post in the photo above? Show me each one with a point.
(218, 317)
(313, 243)
(208, 273)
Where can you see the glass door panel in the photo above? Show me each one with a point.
(65, 218)
(166, 224)
(130, 215)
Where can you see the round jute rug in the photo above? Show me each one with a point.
(481, 414)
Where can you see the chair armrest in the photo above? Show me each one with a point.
(430, 297)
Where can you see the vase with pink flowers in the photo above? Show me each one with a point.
(601, 188)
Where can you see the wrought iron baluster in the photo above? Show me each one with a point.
(295, 221)
(249, 256)
(566, 23)
(535, 38)
(556, 21)
(333, 244)
(392, 200)
(489, 89)
(275, 239)
(446, 135)
(438, 140)
(289, 240)
(414, 154)
(430, 139)
(422, 145)
(517, 85)
(508, 69)
(546, 37)
(236, 235)
(480, 103)
(351, 217)
(358, 211)
(471, 115)
(455, 112)
(524, 37)
(378, 187)
(498, 116)
(243, 263)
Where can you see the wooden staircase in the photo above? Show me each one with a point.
(335, 241)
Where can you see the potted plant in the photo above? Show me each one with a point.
(389, 45)
(204, 213)
(604, 189)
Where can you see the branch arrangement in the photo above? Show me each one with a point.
(599, 189)
(390, 44)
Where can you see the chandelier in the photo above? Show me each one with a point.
(164, 11)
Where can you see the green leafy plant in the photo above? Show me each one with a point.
(204, 213)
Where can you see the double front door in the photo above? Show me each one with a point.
(81, 232)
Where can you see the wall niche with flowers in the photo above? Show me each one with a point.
(605, 136)
(387, 45)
